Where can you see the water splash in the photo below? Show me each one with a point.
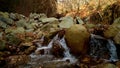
(67, 54)
(97, 46)
(100, 47)
(112, 50)
(62, 42)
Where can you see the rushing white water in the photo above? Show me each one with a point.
(67, 54)
(112, 50)
(62, 42)
(99, 46)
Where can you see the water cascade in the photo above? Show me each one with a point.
(102, 48)
(62, 42)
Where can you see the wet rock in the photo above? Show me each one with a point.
(13, 61)
(77, 38)
(57, 50)
(66, 22)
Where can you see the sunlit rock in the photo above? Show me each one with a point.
(66, 22)
(77, 38)
(48, 20)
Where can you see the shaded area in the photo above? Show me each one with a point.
(27, 6)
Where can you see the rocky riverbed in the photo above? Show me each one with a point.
(38, 41)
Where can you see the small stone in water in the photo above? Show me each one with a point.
(40, 52)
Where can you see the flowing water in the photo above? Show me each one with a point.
(99, 48)
(103, 48)
(47, 56)
(112, 50)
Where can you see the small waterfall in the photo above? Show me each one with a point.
(97, 46)
(101, 47)
(67, 54)
(112, 50)
(62, 42)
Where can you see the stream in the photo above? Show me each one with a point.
(100, 48)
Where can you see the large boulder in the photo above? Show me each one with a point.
(77, 38)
